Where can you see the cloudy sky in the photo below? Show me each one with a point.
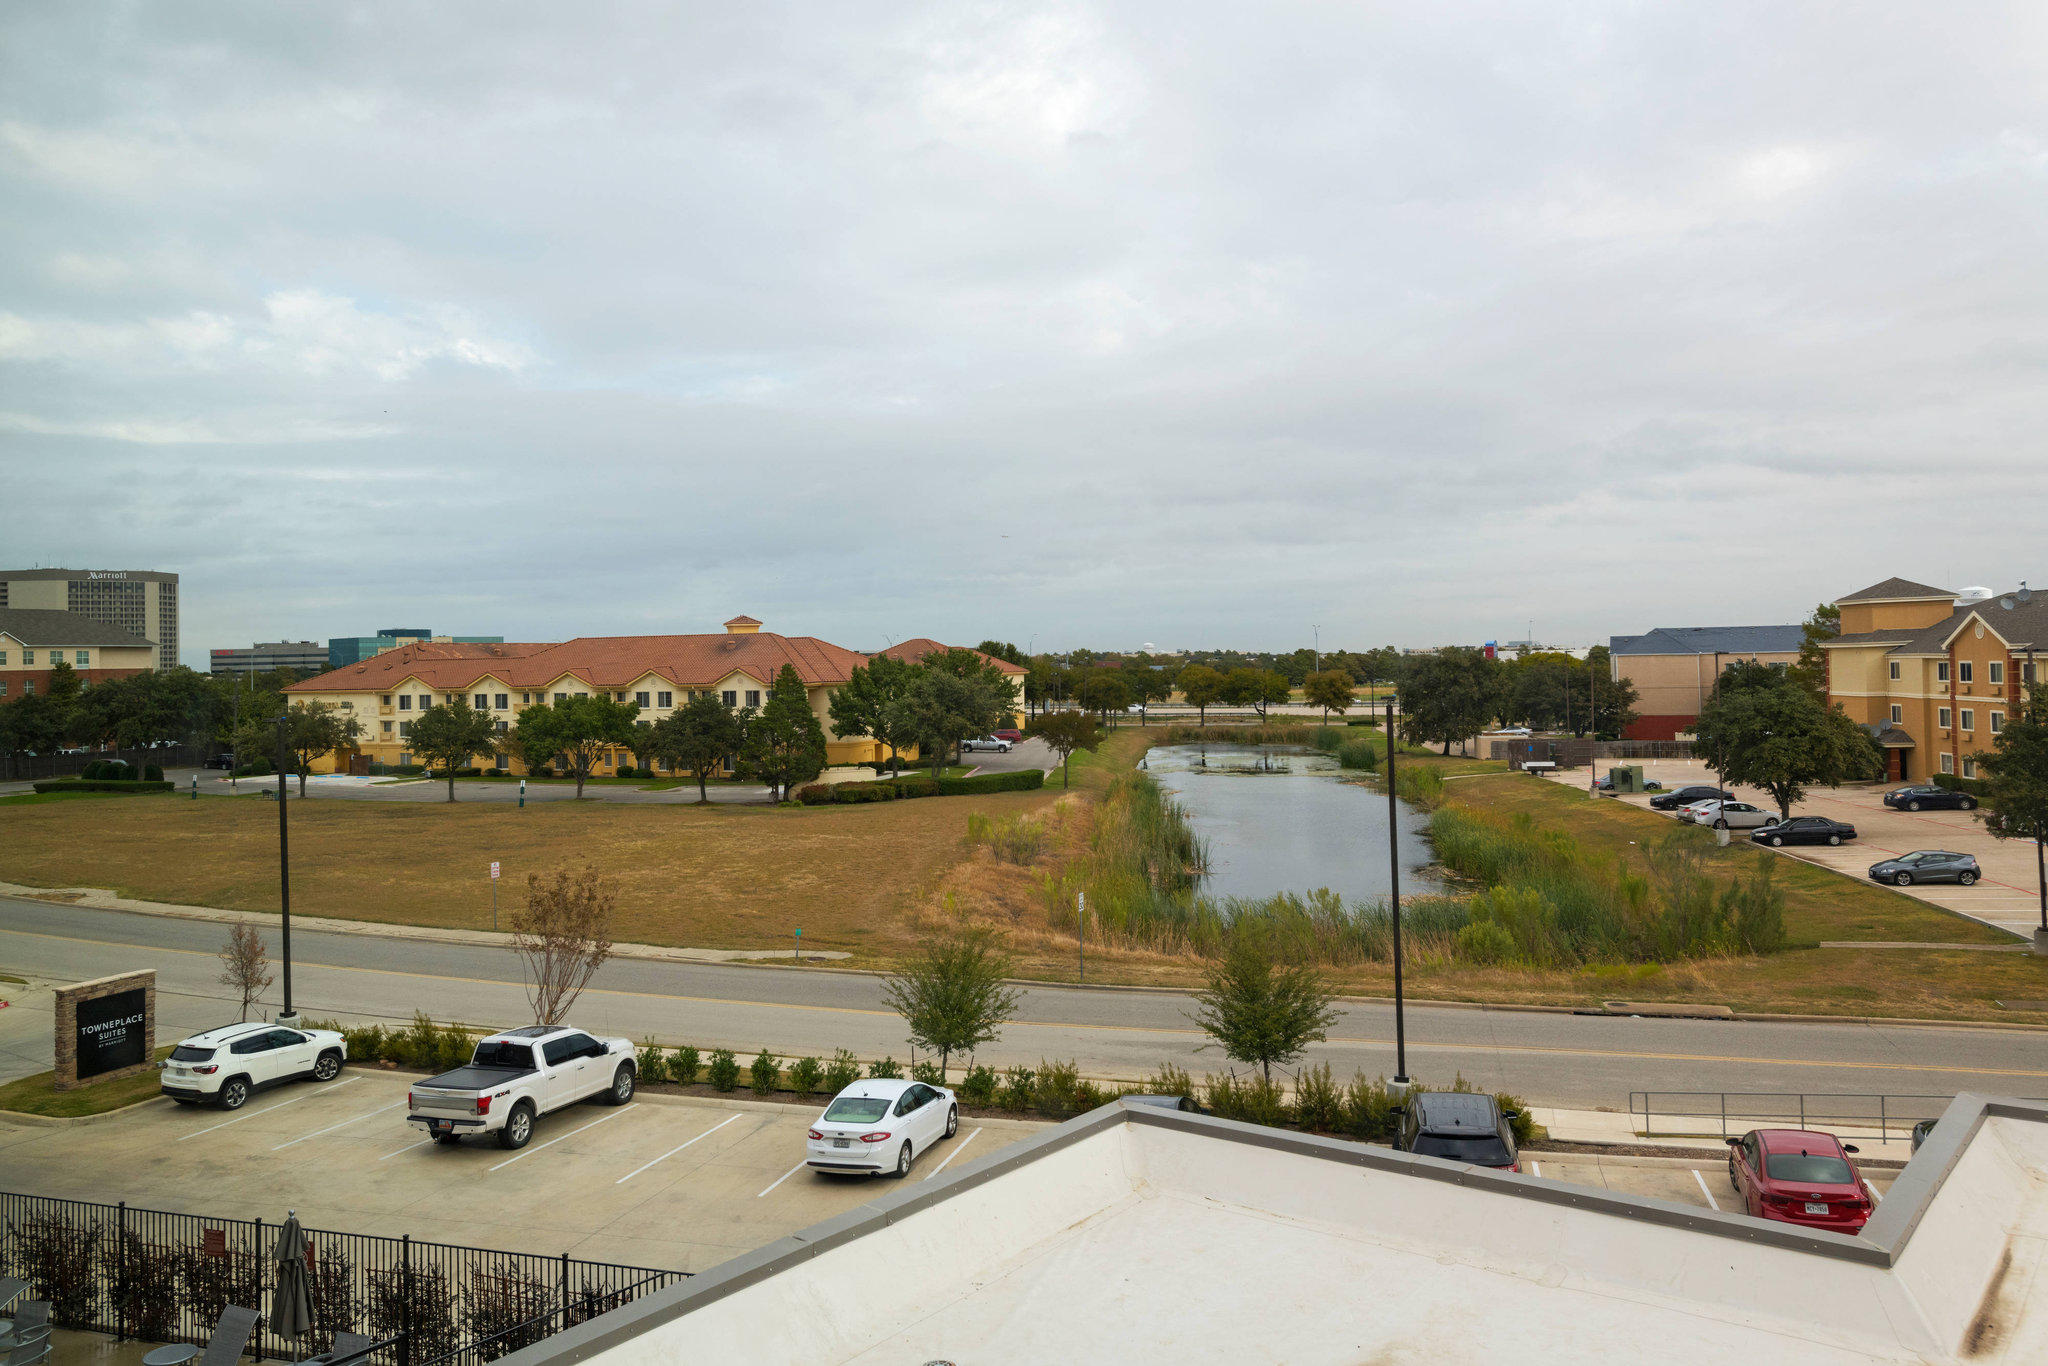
(1185, 323)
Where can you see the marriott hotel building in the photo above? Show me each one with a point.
(139, 601)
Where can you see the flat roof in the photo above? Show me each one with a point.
(1140, 1234)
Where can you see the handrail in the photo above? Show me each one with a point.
(1882, 1114)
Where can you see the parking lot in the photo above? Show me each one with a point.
(670, 1182)
(2006, 898)
(1684, 1181)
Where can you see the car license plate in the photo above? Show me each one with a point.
(1816, 1207)
(442, 1126)
(842, 1143)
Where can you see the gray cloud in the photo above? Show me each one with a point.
(1189, 323)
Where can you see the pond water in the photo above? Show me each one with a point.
(1282, 819)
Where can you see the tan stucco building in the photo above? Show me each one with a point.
(657, 673)
(33, 642)
(1674, 669)
(1934, 676)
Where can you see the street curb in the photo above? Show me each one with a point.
(64, 1121)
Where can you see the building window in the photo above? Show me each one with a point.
(1941, 671)
(3, 688)
(1969, 768)
(1997, 722)
(731, 699)
(1997, 672)
(28, 656)
(84, 656)
(525, 698)
(561, 697)
(387, 727)
(502, 763)
(1941, 715)
(385, 700)
(503, 698)
(3, 659)
(1948, 763)
(1969, 718)
(2026, 669)
(403, 758)
(1966, 672)
(405, 727)
(483, 701)
(753, 697)
(1898, 713)
(405, 701)
(28, 687)
(640, 698)
(503, 727)
(1895, 671)
(664, 699)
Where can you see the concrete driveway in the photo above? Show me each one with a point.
(2006, 898)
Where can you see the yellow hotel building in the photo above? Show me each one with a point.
(658, 673)
(1933, 674)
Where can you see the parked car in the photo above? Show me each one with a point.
(877, 1126)
(228, 1065)
(1805, 830)
(226, 761)
(1929, 798)
(987, 742)
(1733, 815)
(1798, 1176)
(1927, 865)
(1686, 796)
(517, 1076)
(1010, 733)
(1459, 1126)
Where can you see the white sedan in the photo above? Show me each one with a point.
(229, 1064)
(879, 1126)
(1734, 815)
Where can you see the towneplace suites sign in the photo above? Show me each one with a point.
(105, 1028)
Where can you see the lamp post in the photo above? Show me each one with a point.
(284, 874)
(1400, 1084)
(1319, 647)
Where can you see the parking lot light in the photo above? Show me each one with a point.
(284, 877)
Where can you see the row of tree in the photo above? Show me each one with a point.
(1452, 695)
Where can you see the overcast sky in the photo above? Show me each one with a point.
(1192, 324)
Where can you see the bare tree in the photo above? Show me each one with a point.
(245, 964)
(565, 935)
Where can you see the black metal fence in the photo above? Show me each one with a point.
(165, 1277)
(19, 767)
(1728, 1114)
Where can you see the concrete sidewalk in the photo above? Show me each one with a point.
(1621, 1129)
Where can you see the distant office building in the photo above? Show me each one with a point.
(33, 642)
(307, 656)
(343, 651)
(138, 601)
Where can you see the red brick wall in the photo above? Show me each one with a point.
(14, 679)
(1658, 727)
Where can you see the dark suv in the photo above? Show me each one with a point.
(1926, 865)
(1458, 1126)
(1929, 798)
(1686, 796)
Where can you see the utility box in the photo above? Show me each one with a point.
(1626, 777)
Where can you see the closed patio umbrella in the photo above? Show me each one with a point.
(291, 1304)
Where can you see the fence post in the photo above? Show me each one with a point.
(405, 1302)
(565, 1293)
(121, 1272)
(1802, 1109)
(1724, 1114)
(262, 1323)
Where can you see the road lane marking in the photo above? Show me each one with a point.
(571, 1134)
(327, 1090)
(1873, 1191)
(343, 1125)
(1703, 1188)
(955, 1153)
(673, 1151)
(785, 1176)
(406, 1149)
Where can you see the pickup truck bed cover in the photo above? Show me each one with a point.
(474, 1078)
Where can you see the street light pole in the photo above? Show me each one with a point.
(284, 873)
(1319, 647)
(1400, 1083)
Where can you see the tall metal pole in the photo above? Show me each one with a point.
(1081, 930)
(1394, 898)
(284, 871)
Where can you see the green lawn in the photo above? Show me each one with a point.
(37, 1095)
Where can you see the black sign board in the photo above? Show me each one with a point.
(110, 1033)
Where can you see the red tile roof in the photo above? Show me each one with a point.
(911, 651)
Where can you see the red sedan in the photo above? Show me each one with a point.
(1798, 1176)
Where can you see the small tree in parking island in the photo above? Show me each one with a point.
(785, 744)
(1331, 690)
(697, 737)
(564, 935)
(1066, 731)
(245, 965)
(450, 735)
(1260, 1012)
(311, 730)
(952, 994)
(1763, 728)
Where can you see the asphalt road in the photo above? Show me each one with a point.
(1549, 1058)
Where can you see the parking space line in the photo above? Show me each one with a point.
(325, 1090)
(955, 1153)
(1703, 1188)
(1873, 1192)
(1535, 1167)
(343, 1125)
(406, 1149)
(571, 1134)
(673, 1151)
(785, 1176)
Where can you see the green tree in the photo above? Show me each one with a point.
(311, 731)
(785, 744)
(1200, 687)
(1066, 731)
(1259, 1011)
(945, 703)
(864, 704)
(1273, 689)
(1332, 690)
(1104, 692)
(953, 994)
(1003, 650)
(1614, 699)
(1764, 729)
(697, 737)
(1811, 669)
(451, 734)
(579, 729)
(29, 726)
(1241, 686)
(1448, 696)
(2015, 782)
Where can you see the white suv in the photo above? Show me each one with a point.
(226, 1065)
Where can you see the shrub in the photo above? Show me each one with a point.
(1013, 839)
(1017, 1089)
(1361, 754)
(94, 769)
(764, 1072)
(1483, 942)
(915, 787)
(1017, 780)
(1252, 1099)
(1369, 1110)
(978, 1086)
(1318, 1100)
(1055, 1092)
(1170, 1080)
(724, 1071)
(842, 1072)
(151, 773)
(452, 1048)
(418, 1044)
(683, 1065)
(805, 1076)
(888, 1069)
(814, 794)
(927, 1072)
(652, 1062)
(364, 1044)
(100, 785)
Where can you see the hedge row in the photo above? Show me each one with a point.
(1955, 782)
(896, 789)
(119, 770)
(103, 785)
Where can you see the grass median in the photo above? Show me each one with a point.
(38, 1095)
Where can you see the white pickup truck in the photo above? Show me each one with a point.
(518, 1076)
